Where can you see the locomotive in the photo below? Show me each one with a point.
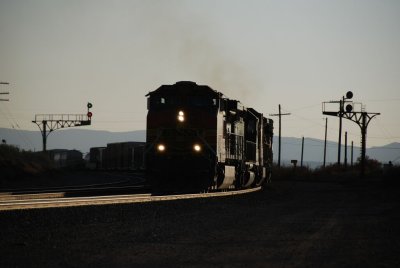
(199, 140)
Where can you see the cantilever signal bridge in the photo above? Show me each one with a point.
(47, 123)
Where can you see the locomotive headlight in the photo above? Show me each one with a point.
(181, 116)
(161, 147)
(197, 148)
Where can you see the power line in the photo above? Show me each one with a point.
(305, 107)
(13, 122)
(384, 100)
(14, 125)
(386, 148)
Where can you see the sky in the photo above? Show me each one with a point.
(59, 55)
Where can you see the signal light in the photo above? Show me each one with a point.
(161, 148)
(349, 108)
(197, 148)
(349, 95)
(181, 116)
(89, 105)
(89, 114)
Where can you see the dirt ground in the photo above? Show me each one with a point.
(290, 224)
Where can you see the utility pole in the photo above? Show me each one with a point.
(351, 160)
(326, 130)
(302, 152)
(345, 149)
(280, 125)
(4, 93)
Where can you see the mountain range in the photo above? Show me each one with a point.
(84, 139)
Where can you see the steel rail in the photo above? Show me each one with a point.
(40, 190)
(70, 192)
(105, 200)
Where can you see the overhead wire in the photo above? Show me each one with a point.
(383, 100)
(14, 125)
(386, 134)
(317, 123)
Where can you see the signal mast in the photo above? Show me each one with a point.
(47, 123)
(361, 118)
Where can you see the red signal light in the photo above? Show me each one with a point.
(89, 114)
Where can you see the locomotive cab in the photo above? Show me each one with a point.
(181, 137)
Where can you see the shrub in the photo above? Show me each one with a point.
(15, 163)
(289, 172)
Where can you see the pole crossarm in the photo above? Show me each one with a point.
(4, 93)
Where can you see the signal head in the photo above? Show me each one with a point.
(349, 95)
(89, 114)
(89, 105)
(349, 108)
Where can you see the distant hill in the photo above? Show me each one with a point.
(84, 139)
(72, 138)
(314, 152)
(389, 152)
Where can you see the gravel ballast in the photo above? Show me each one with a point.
(288, 224)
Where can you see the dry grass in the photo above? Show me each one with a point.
(16, 163)
(373, 169)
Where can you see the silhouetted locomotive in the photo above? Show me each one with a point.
(199, 140)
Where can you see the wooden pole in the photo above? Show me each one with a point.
(302, 152)
(326, 129)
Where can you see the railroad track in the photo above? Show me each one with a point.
(56, 201)
(126, 182)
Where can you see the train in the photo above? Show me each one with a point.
(199, 140)
(126, 156)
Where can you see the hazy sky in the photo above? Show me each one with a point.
(57, 55)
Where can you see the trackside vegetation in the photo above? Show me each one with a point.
(16, 163)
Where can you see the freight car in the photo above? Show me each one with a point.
(118, 156)
(199, 140)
